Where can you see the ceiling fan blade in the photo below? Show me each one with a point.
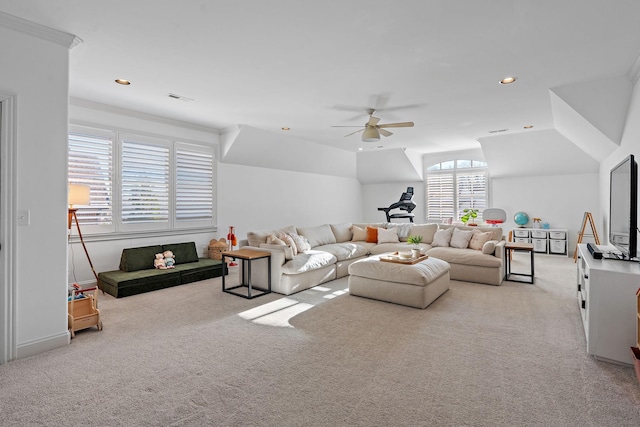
(385, 132)
(347, 126)
(396, 125)
(352, 133)
(373, 121)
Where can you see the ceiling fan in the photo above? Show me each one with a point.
(372, 130)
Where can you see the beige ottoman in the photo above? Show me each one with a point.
(416, 285)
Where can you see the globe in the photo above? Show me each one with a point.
(521, 219)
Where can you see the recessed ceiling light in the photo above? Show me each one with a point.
(286, 128)
(360, 149)
(528, 126)
(123, 82)
(508, 80)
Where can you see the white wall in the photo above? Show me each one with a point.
(630, 145)
(560, 200)
(36, 71)
(253, 198)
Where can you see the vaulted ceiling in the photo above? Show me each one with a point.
(309, 66)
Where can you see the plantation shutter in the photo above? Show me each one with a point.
(440, 196)
(145, 183)
(91, 163)
(472, 192)
(194, 183)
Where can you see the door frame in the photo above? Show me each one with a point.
(8, 190)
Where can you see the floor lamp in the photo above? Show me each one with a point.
(79, 195)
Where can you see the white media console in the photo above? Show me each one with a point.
(607, 297)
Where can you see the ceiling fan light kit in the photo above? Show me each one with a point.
(371, 134)
(371, 130)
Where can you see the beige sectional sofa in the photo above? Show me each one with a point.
(329, 249)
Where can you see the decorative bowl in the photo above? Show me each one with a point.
(405, 255)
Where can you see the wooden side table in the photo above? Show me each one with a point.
(518, 246)
(246, 256)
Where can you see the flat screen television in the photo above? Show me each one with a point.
(623, 207)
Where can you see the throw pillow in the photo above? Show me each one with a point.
(359, 234)
(388, 235)
(489, 248)
(404, 230)
(479, 238)
(273, 240)
(442, 237)
(289, 242)
(372, 234)
(301, 243)
(460, 238)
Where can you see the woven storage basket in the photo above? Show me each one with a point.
(216, 247)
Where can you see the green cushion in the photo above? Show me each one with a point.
(134, 259)
(182, 252)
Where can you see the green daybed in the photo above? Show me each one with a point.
(137, 273)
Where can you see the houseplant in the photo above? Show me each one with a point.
(415, 241)
(469, 214)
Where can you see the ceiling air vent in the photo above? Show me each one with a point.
(181, 98)
(498, 130)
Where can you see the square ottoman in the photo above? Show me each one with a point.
(415, 285)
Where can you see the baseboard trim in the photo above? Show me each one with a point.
(31, 348)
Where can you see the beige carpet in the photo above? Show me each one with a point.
(480, 355)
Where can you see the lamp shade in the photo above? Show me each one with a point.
(371, 134)
(79, 195)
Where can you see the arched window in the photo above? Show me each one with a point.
(455, 185)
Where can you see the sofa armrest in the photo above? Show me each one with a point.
(259, 269)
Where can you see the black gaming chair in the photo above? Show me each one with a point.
(404, 204)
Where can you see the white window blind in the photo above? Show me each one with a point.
(91, 163)
(453, 186)
(194, 183)
(145, 183)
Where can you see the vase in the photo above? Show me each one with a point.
(415, 253)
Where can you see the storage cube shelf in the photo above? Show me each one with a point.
(545, 241)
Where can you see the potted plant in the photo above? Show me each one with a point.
(469, 214)
(415, 241)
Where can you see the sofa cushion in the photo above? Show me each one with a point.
(182, 252)
(427, 231)
(496, 231)
(319, 235)
(372, 234)
(310, 260)
(465, 256)
(489, 247)
(135, 259)
(301, 242)
(359, 234)
(346, 250)
(479, 238)
(389, 235)
(460, 238)
(288, 252)
(442, 237)
(342, 232)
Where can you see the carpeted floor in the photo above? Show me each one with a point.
(480, 355)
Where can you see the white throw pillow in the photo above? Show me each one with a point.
(273, 240)
(490, 247)
(301, 243)
(479, 238)
(388, 235)
(288, 241)
(460, 238)
(359, 234)
(442, 237)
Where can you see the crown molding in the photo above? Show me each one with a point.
(43, 32)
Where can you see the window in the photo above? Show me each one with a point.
(453, 186)
(140, 183)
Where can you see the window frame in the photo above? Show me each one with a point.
(118, 228)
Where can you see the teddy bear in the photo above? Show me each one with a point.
(168, 259)
(159, 262)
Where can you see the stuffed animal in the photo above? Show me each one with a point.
(168, 259)
(159, 262)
